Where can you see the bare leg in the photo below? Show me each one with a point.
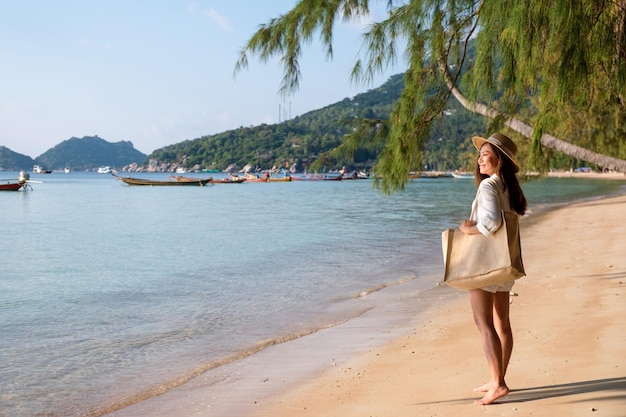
(483, 306)
(502, 326)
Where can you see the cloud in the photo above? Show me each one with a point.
(218, 19)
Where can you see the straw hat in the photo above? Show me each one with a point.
(502, 142)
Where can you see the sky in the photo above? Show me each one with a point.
(154, 72)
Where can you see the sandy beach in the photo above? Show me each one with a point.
(569, 359)
(570, 338)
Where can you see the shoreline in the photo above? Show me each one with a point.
(239, 388)
(567, 322)
(415, 367)
(588, 175)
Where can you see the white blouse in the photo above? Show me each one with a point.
(487, 206)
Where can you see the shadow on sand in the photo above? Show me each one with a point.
(617, 386)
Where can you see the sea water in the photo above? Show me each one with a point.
(110, 292)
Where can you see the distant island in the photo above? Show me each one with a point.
(76, 154)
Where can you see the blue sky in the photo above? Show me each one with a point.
(152, 72)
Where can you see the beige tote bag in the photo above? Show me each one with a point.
(476, 261)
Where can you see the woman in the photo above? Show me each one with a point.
(498, 189)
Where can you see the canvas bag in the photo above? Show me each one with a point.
(476, 261)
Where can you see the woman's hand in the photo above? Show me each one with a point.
(469, 227)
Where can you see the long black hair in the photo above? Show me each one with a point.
(506, 170)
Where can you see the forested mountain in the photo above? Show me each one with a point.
(302, 139)
(90, 152)
(13, 161)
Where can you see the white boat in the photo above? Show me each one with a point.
(104, 170)
(462, 176)
(67, 170)
(39, 170)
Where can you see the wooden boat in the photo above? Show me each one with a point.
(187, 182)
(267, 178)
(229, 181)
(286, 178)
(255, 178)
(355, 176)
(22, 183)
(188, 179)
(307, 177)
(9, 185)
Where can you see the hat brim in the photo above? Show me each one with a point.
(480, 141)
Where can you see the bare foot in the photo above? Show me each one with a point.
(493, 395)
(483, 388)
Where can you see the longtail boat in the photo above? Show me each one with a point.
(255, 178)
(286, 178)
(22, 183)
(267, 178)
(307, 177)
(186, 182)
(11, 186)
(231, 179)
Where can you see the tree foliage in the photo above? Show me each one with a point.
(568, 56)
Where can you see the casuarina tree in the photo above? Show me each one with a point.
(553, 71)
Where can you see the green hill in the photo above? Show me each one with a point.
(13, 161)
(300, 140)
(293, 143)
(89, 153)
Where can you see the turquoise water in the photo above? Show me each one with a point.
(109, 291)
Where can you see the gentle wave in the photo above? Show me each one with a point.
(161, 388)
